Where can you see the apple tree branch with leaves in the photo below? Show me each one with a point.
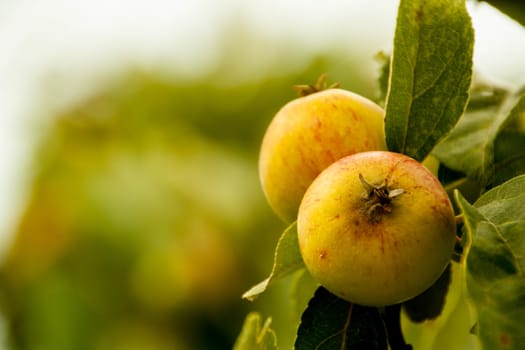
(470, 134)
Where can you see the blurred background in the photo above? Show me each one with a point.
(131, 215)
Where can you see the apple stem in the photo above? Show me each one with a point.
(392, 319)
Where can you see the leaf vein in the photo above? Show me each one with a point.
(515, 257)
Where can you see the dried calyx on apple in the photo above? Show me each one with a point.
(378, 199)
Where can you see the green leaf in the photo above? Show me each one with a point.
(332, 323)
(430, 74)
(509, 146)
(255, 336)
(509, 156)
(287, 260)
(495, 263)
(470, 146)
(468, 149)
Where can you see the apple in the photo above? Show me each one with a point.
(376, 228)
(310, 133)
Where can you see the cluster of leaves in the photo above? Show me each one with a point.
(434, 107)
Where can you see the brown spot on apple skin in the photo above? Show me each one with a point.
(323, 254)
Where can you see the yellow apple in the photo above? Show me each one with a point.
(376, 228)
(310, 133)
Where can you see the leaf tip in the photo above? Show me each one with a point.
(256, 290)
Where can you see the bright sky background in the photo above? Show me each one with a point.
(76, 44)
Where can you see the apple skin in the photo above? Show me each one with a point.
(380, 259)
(307, 135)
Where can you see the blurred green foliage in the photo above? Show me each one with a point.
(145, 221)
